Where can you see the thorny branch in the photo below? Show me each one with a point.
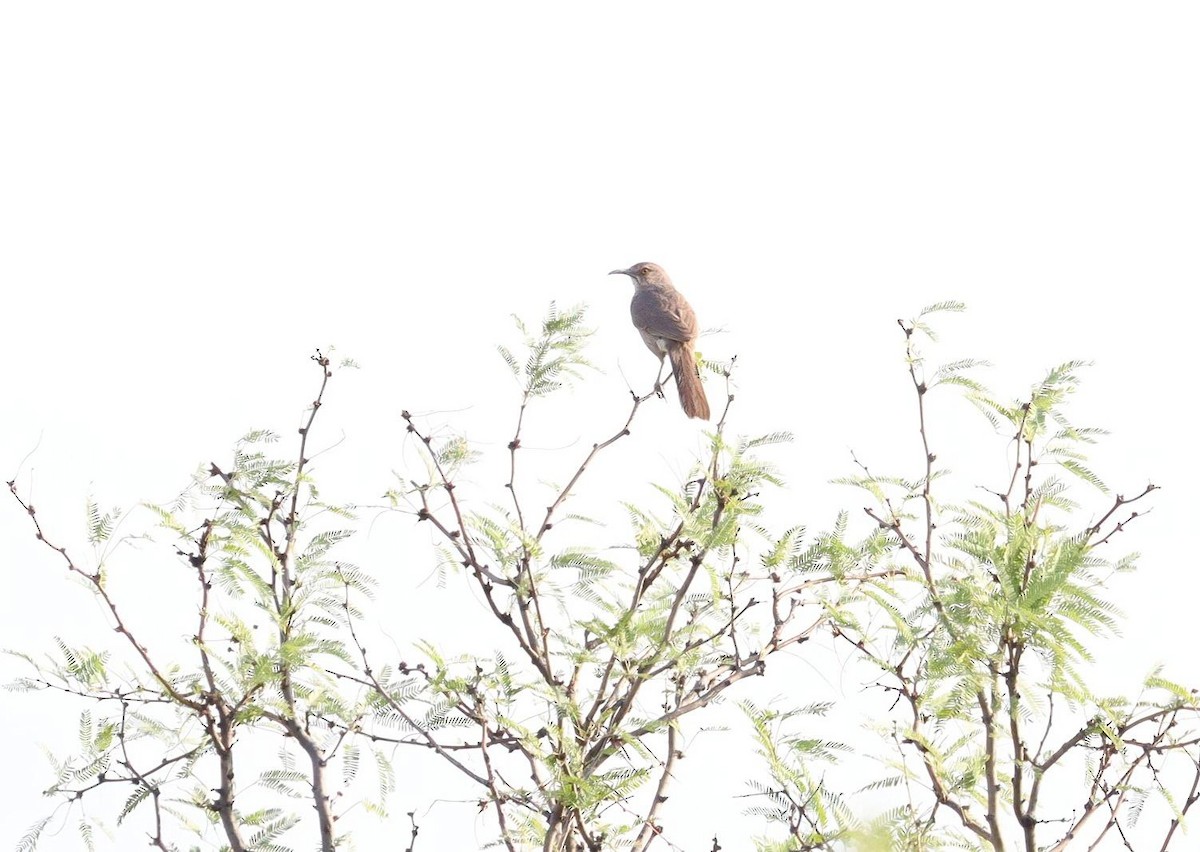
(608, 721)
(209, 697)
(1011, 752)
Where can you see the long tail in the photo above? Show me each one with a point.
(687, 380)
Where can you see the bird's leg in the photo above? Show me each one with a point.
(658, 381)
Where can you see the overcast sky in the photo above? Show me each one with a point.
(192, 198)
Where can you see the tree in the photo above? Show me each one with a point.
(570, 726)
(177, 730)
(997, 740)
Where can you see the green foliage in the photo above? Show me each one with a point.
(29, 840)
(613, 633)
(100, 527)
(273, 614)
(606, 655)
(978, 621)
(812, 816)
(554, 354)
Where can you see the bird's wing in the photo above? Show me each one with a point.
(662, 312)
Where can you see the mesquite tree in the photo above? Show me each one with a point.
(997, 741)
(224, 731)
(608, 629)
(605, 659)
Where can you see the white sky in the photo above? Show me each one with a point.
(192, 198)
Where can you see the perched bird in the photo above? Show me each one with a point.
(668, 326)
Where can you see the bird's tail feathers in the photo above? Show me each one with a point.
(687, 380)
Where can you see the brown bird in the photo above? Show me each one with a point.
(668, 326)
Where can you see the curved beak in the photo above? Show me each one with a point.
(619, 272)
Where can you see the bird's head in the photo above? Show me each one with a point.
(644, 273)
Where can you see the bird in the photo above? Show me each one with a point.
(668, 327)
